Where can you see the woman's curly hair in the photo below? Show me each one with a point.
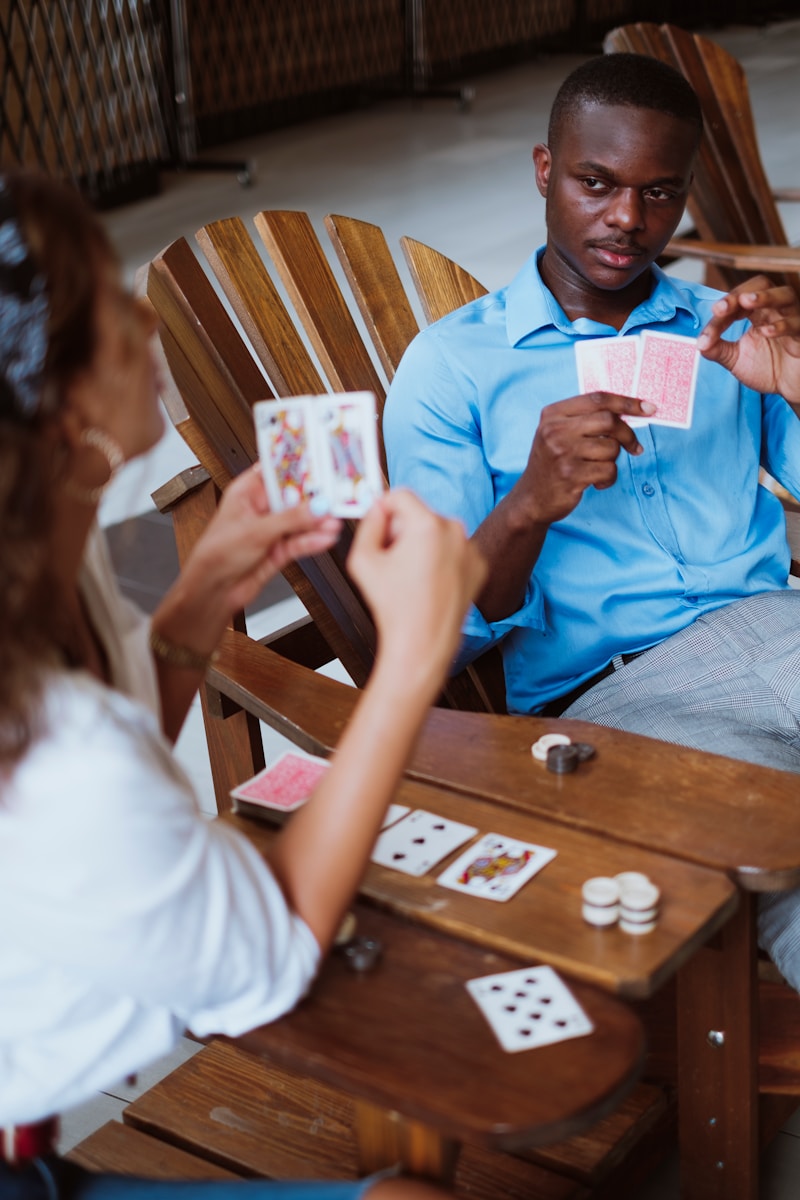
(65, 245)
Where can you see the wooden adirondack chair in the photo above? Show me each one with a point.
(733, 207)
(215, 374)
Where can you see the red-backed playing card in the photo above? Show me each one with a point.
(666, 376)
(286, 784)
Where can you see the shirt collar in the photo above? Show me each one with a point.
(531, 306)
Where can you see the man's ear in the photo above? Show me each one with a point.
(542, 161)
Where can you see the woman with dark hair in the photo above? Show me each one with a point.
(129, 917)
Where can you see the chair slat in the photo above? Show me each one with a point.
(307, 276)
(377, 287)
(441, 284)
(218, 380)
(254, 298)
(731, 200)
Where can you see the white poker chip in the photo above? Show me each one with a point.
(600, 897)
(546, 742)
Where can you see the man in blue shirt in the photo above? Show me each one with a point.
(638, 575)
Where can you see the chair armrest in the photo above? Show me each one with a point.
(308, 708)
(737, 257)
(179, 487)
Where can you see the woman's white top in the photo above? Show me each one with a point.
(126, 917)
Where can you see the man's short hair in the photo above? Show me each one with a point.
(631, 80)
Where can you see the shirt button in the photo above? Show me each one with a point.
(648, 489)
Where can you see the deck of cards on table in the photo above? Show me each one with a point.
(658, 367)
(283, 786)
(322, 448)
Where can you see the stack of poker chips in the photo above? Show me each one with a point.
(629, 898)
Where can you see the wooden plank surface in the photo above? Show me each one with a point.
(408, 1037)
(118, 1149)
(704, 808)
(543, 922)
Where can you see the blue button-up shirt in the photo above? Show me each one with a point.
(686, 528)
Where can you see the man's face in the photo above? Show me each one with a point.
(615, 188)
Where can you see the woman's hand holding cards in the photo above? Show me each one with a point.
(767, 356)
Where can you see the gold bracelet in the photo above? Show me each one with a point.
(180, 656)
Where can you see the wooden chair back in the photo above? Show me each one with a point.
(731, 200)
(220, 373)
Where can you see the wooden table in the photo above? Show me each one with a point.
(407, 1041)
(338, 1036)
(714, 813)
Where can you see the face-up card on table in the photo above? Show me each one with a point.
(320, 446)
(496, 867)
(420, 840)
(285, 785)
(529, 1008)
(666, 376)
(393, 814)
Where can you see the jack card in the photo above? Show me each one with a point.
(287, 450)
(351, 473)
(419, 841)
(529, 1008)
(320, 446)
(496, 867)
(285, 785)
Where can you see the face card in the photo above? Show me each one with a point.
(286, 784)
(529, 1008)
(419, 841)
(285, 436)
(496, 867)
(666, 375)
(607, 364)
(351, 474)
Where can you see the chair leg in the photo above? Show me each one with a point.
(235, 748)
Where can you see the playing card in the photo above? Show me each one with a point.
(607, 364)
(666, 375)
(495, 867)
(419, 841)
(393, 814)
(287, 450)
(286, 784)
(324, 446)
(351, 474)
(529, 1008)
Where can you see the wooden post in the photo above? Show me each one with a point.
(718, 1065)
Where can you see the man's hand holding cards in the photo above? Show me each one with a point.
(658, 367)
(323, 449)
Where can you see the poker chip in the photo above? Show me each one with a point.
(630, 898)
(546, 742)
(562, 760)
(600, 897)
(638, 906)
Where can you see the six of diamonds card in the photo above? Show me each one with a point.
(320, 446)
